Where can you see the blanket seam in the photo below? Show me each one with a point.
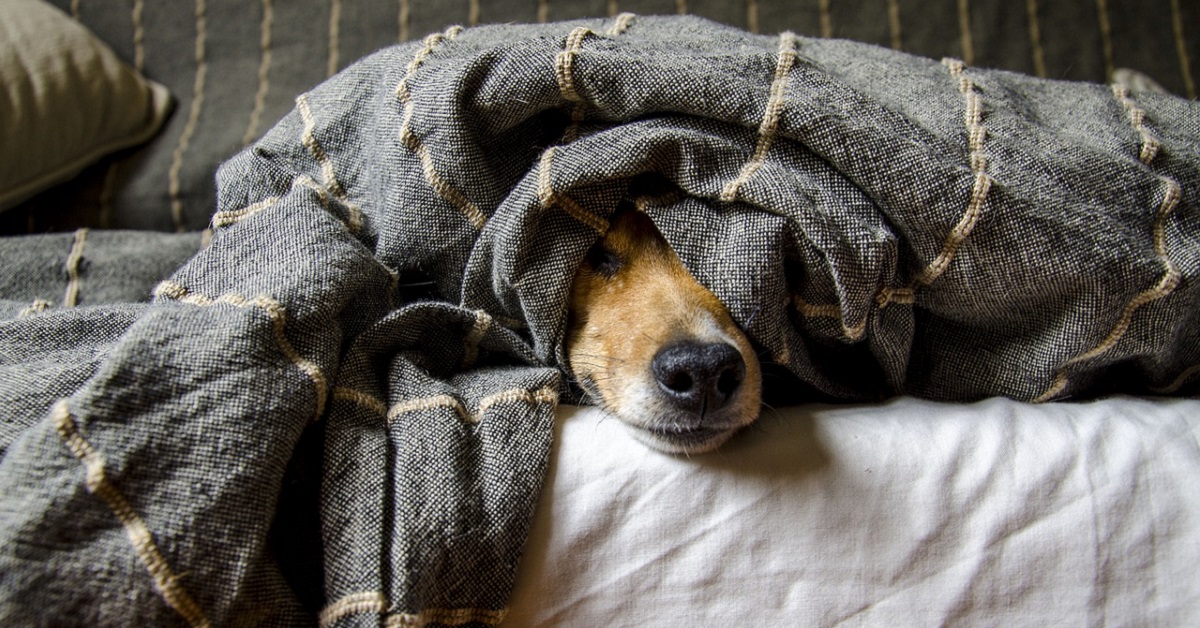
(1137, 119)
(409, 139)
(832, 310)
(368, 401)
(1172, 196)
(479, 328)
(352, 604)
(276, 314)
(33, 309)
(542, 395)
(233, 216)
(769, 126)
(976, 136)
(376, 603)
(166, 582)
(564, 63)
(551, 198)
(328, 175)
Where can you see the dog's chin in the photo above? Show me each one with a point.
(676, 441)
(669, 430)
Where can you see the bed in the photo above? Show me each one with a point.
(253, 402)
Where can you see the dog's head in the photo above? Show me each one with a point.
(654, 347)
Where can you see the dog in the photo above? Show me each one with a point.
(656, 349)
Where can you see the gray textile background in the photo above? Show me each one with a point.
(283, 433)
(234, 67)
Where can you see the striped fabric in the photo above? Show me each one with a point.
(234, 66)
(289, 434)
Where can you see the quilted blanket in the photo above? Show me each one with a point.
(339, 409)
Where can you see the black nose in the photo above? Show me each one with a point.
(699, 377)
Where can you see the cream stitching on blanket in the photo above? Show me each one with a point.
(37, 307)
(74, 258)
(1171, 278)
(376, 603)
(565, 61)
(173, 175)
(226, 218)
(624, 21)
(165, 580)
(308, 138)
(770, 121)
(369, 402)
(275, 313)
(1035, 38)
(372, 602)
(233, 216)
(550, 198)
(542, 395)
(1179, 381)
(449, 617)
(1166, 285)
(901, 296)
(976, 134)
(410, 140)
(808, 310)
(752, 16)
(264, 73)
(474, 337)
(564, 71)
(1137, 118)
(1185, 65)
(429, 403)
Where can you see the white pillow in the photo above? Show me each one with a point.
(66, 100)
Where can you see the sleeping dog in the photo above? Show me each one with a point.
(656, 349)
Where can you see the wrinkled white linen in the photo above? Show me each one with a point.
(906, 513)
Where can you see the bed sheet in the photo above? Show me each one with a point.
(906, 513)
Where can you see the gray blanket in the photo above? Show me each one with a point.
(339, 409)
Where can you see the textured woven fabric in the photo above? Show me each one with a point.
(297, 426)
(234, 66)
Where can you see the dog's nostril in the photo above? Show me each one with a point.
(730, 379)
(699, 375)
(677, 381)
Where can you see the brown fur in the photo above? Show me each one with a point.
(630, 300)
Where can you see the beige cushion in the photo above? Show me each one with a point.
(66, 100)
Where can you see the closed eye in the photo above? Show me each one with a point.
(604, 261)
